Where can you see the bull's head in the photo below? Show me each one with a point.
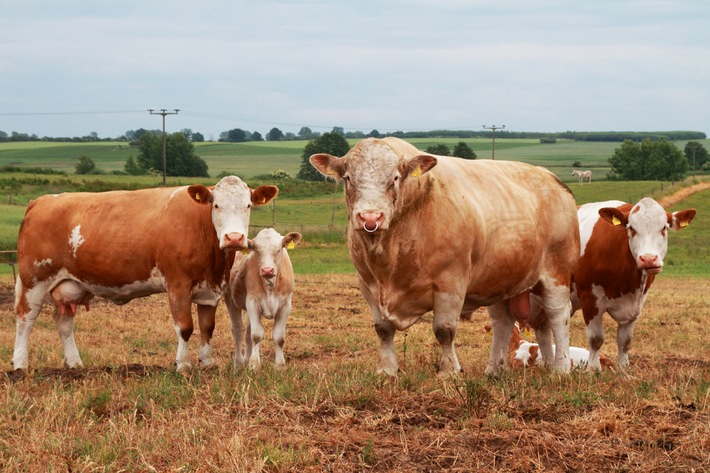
(374, 173)
(647, 225)
(231, 201)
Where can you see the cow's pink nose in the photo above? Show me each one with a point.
(370, 220)
(268, 271)
(648, 261)
(233, 240)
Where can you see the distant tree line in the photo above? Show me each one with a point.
(238, 135)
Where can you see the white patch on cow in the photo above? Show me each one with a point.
(76, 240)
(624, 309)
(588, 217)
(120, 294)
(206, 294)
(179, 189)
(44, 262)
(183, 352)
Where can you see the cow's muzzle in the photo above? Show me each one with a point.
(233, 241)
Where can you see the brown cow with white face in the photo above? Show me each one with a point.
(450, 235)
(623, 249)
(127, 244)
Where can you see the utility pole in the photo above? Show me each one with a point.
(163, 112)
(494, 128)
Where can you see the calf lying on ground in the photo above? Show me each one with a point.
(522, 353)
(261, 283)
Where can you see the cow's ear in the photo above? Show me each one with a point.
(328, 165)
(681, 219)
(291, 240)
(421, 164)
(614, 216)
(200, 194)
(264, 194)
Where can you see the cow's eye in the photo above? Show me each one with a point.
(663, 232)
(216, 207)
(633, 232)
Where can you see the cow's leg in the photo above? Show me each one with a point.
(23, 327)
(624, 334)
(447, 308)
(235, 315)
(256, 334)
(181, 308)
(502, 322)
(279, 333)
(65, 327)
(206, 319)
(595, 340)
(557, 308)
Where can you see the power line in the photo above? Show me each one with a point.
(164, 112)
(494, 128)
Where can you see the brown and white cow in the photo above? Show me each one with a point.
(261, 283)
(622, 250)
(126, 244)
(450, 235)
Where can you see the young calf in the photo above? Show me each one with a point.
(522, 353)
(261, 283)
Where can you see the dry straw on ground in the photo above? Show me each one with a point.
(128, 411)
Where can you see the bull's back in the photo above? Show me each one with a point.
(521, 213)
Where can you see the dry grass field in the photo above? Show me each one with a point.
(327, 411)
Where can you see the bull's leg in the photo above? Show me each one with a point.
(447, 308)
(543, 333)
(502, 322)
(206, 319)
(624, 335)
(595, 340)
(65, 327)
(181, 308)
(557, 307)
(279, 333)
(256, 334)
(388, 364)
(235, 315)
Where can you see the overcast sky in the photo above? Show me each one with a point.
(69, 68)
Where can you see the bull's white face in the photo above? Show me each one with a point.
(231, 201)
(268, 248)
(647, 225)
(373, 174)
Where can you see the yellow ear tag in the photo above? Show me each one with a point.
(246, 251)
(290, 245)
(683, 224)
(329, 171)
(615, 220)
(197, 197)
(526, 332)
(263, 200)
(417, 172)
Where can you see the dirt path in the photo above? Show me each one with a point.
(684, 193)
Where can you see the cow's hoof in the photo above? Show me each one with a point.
(16, 375)
(389, 372)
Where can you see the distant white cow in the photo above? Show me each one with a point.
(261, 283)
(582, 175)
